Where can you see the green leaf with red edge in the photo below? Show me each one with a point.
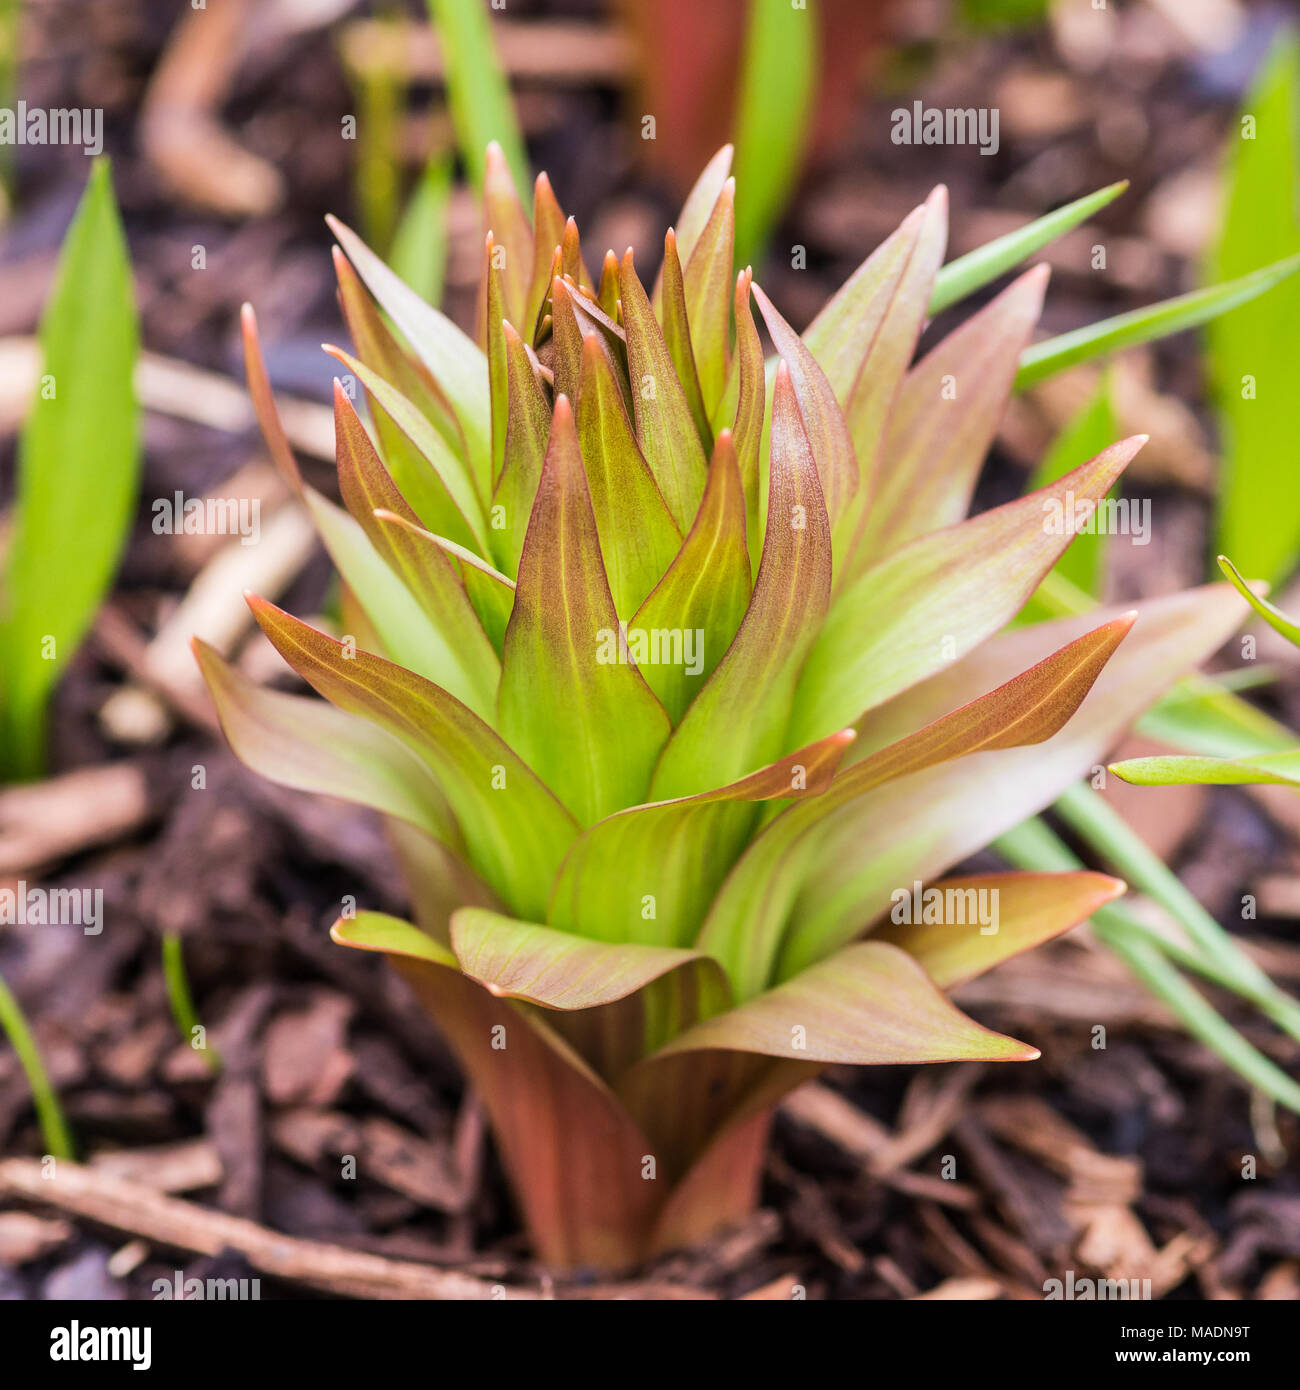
(869, 1004)
(528, 424)
(558, 970)
(697, 209)
(824, 423)
(937, 598)
(1278, 769)
(586, 1204)
(708, 289)
(548, 233)
(505, 218)
(515, 831)
(1027, 909)
(433, 480)
(945, 419)
(738, 720)
(259, 388)
(671, 856)
(452, 358)
(1272, 615)
(304, 743)
(404, 629)
(751, 406)
(677, 334)
(665, 429)
(377, 347)
(865, 336)
(566, 341)
(706, 589)
(494, 342)
(918, 826)
(584, 720)
(459, 651)
(749, 916)
(613, 1003)
(491, 594)
(638, 537)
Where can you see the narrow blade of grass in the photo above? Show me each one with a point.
(419, 253)
(977, 268)
(1146, 324)
(181, 1000)
(49, 1114)
(773, 110)
(477, 91)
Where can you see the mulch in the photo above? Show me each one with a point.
(1124, 1161)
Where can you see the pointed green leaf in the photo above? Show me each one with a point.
(506, 220)
(939, 597)
(677, 334)
(457, 654)
(77, 474)
(566, 341)
(704, 594)
(453, 359)
(919, 825)
(945, 419)
(638, 537)
(738, 720)
(384, 355)
(491, 594)
(746, 922)
(665, 429)
(708, 289)
(828, 434)
(528, 423)
(697, 209)
(431, 478)
(515, 831)
(1181, 771)
(868, 1005)
(953, 943)
(648, 873)
(548, 233)
(751, 405)
(865, 336)
(557, 970)
(313, 747)
(582, 718)
(980, 267)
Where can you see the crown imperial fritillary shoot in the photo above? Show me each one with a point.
(680, 678)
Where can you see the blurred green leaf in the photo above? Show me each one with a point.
(1085, 436)
(1150, 322)
(1254, 353)
(773, 111)
(78, 472)
(419, 252)
(477, 91)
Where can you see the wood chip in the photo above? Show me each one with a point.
(169, 1221)
(183, 1167)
